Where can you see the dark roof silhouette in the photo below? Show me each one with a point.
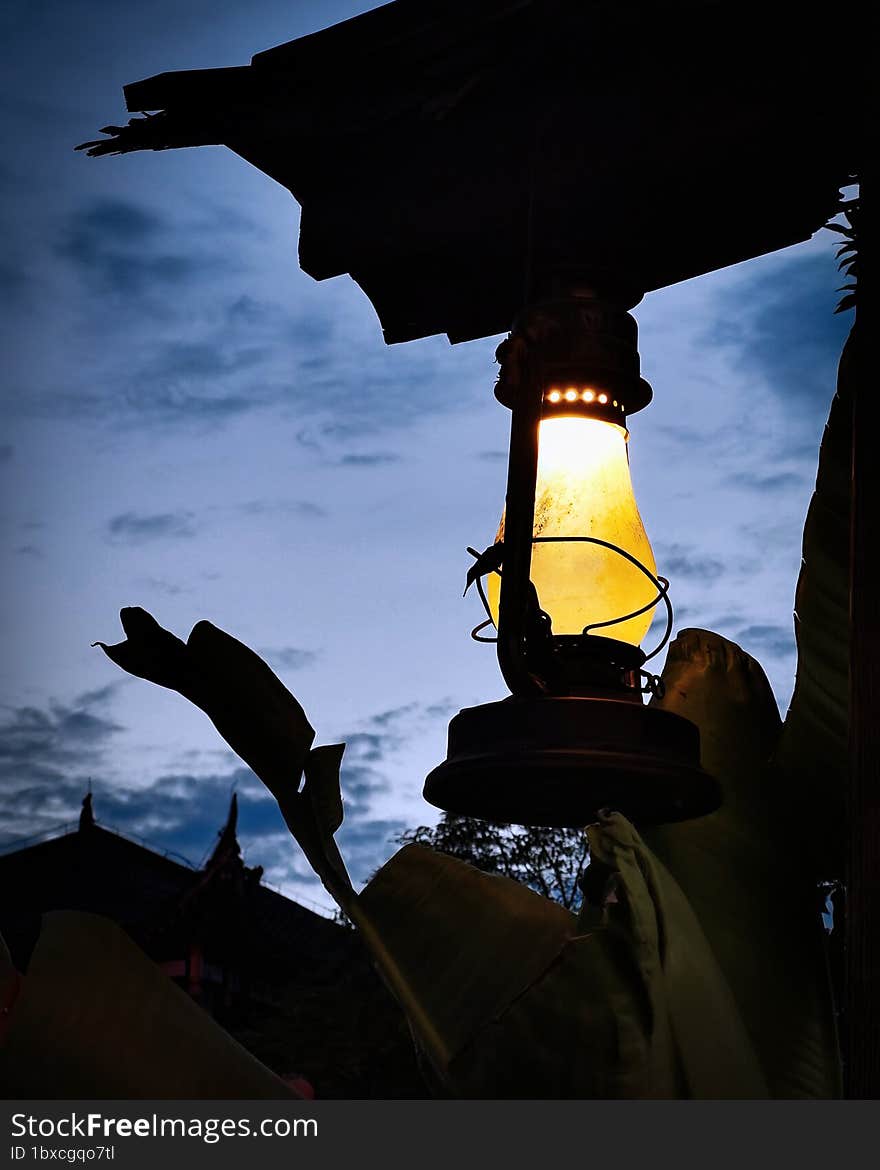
(164, 904)
(296, 989)
(450, 154)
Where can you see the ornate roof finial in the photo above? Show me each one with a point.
(227, 845)
(87, 815)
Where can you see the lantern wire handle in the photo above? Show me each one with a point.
(484, 563)
(490, 621)
(660, 583)
(477, 636)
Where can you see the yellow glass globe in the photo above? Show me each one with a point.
(584, 488)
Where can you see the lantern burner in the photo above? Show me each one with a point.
(585, 663)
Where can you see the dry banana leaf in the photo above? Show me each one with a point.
(741, 871)
(96, 1019)
(521, 1004)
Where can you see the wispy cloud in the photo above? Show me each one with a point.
(49, 755)
(122, 248)
(757, 481)
(281, 507)
(366, 839)
(186, 353)
(377, 459)
(141, 527)
(365, 747)
(774, 640)
(48, 752)
(270, 319)
(207, 380)
(163, 586)
(367, 843)
(393, 717)
(178, 812)
(289, 657)
(200, 361)
(676, 560)
(373, 745)
(781, 330)
(99, 695)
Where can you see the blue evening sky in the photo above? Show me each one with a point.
(192, 425)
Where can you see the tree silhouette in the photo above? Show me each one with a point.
(549, 861)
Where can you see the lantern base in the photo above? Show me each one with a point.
(557, 761)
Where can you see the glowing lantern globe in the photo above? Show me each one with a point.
(572, 587)
(583, 488)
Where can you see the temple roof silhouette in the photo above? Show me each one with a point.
(450, 155)
(296, 989)
(166, 905)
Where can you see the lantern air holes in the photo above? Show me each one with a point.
(585, 395)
